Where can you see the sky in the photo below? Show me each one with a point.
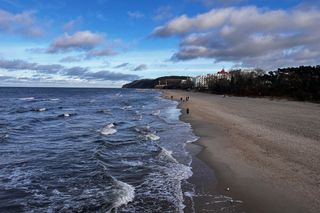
(106, 43)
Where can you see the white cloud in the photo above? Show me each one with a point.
(248, 35)
(82, 40)
(20, 23)
(91, 45)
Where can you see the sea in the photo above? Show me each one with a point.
(93, 150)
(101, 150)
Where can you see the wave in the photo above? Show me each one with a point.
(166, 154)
(145, 130)
(132, 163)
(176, 172)
(126, 107)
(162, 189)
(3, 137)
(108, 129)
(152, 137)
(118, 94)
(192, 139)
(24, 110)
(39, 109)
(156, 113)
(54, 99)
(125, 194)
(27, 99)
(67, 114)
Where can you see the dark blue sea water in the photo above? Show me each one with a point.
(91, 150)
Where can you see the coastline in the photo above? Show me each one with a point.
(264, 151)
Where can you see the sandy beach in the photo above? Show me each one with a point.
(267, 152)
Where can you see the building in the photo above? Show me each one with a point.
(203, 81)
(161, 86)
(223, 75)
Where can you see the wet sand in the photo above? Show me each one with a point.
(267, 152)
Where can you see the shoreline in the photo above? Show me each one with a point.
(260, 158)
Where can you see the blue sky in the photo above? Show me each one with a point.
(105, 43)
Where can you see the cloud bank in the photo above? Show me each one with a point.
(248, 35)
(83, 73)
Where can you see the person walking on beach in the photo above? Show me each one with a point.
(187, 111)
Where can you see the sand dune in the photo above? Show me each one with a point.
(266, 151)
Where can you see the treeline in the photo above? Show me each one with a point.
(301, 83)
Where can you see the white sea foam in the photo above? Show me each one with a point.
(40, 109)
(125, 194)
(155, 113)
(164, 185)
(54, 99)
(66, 114)
(27, 98)
(56, 192)
(127, 107)
(108, 129)
(111, 125)
(167, 154)
(152, 137)
(189, 194)
(132, 163)
(192, 140)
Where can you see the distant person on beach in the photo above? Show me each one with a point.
(171, 96)
(187, 110)
(181, 99)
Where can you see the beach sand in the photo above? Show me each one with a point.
(267, 152)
